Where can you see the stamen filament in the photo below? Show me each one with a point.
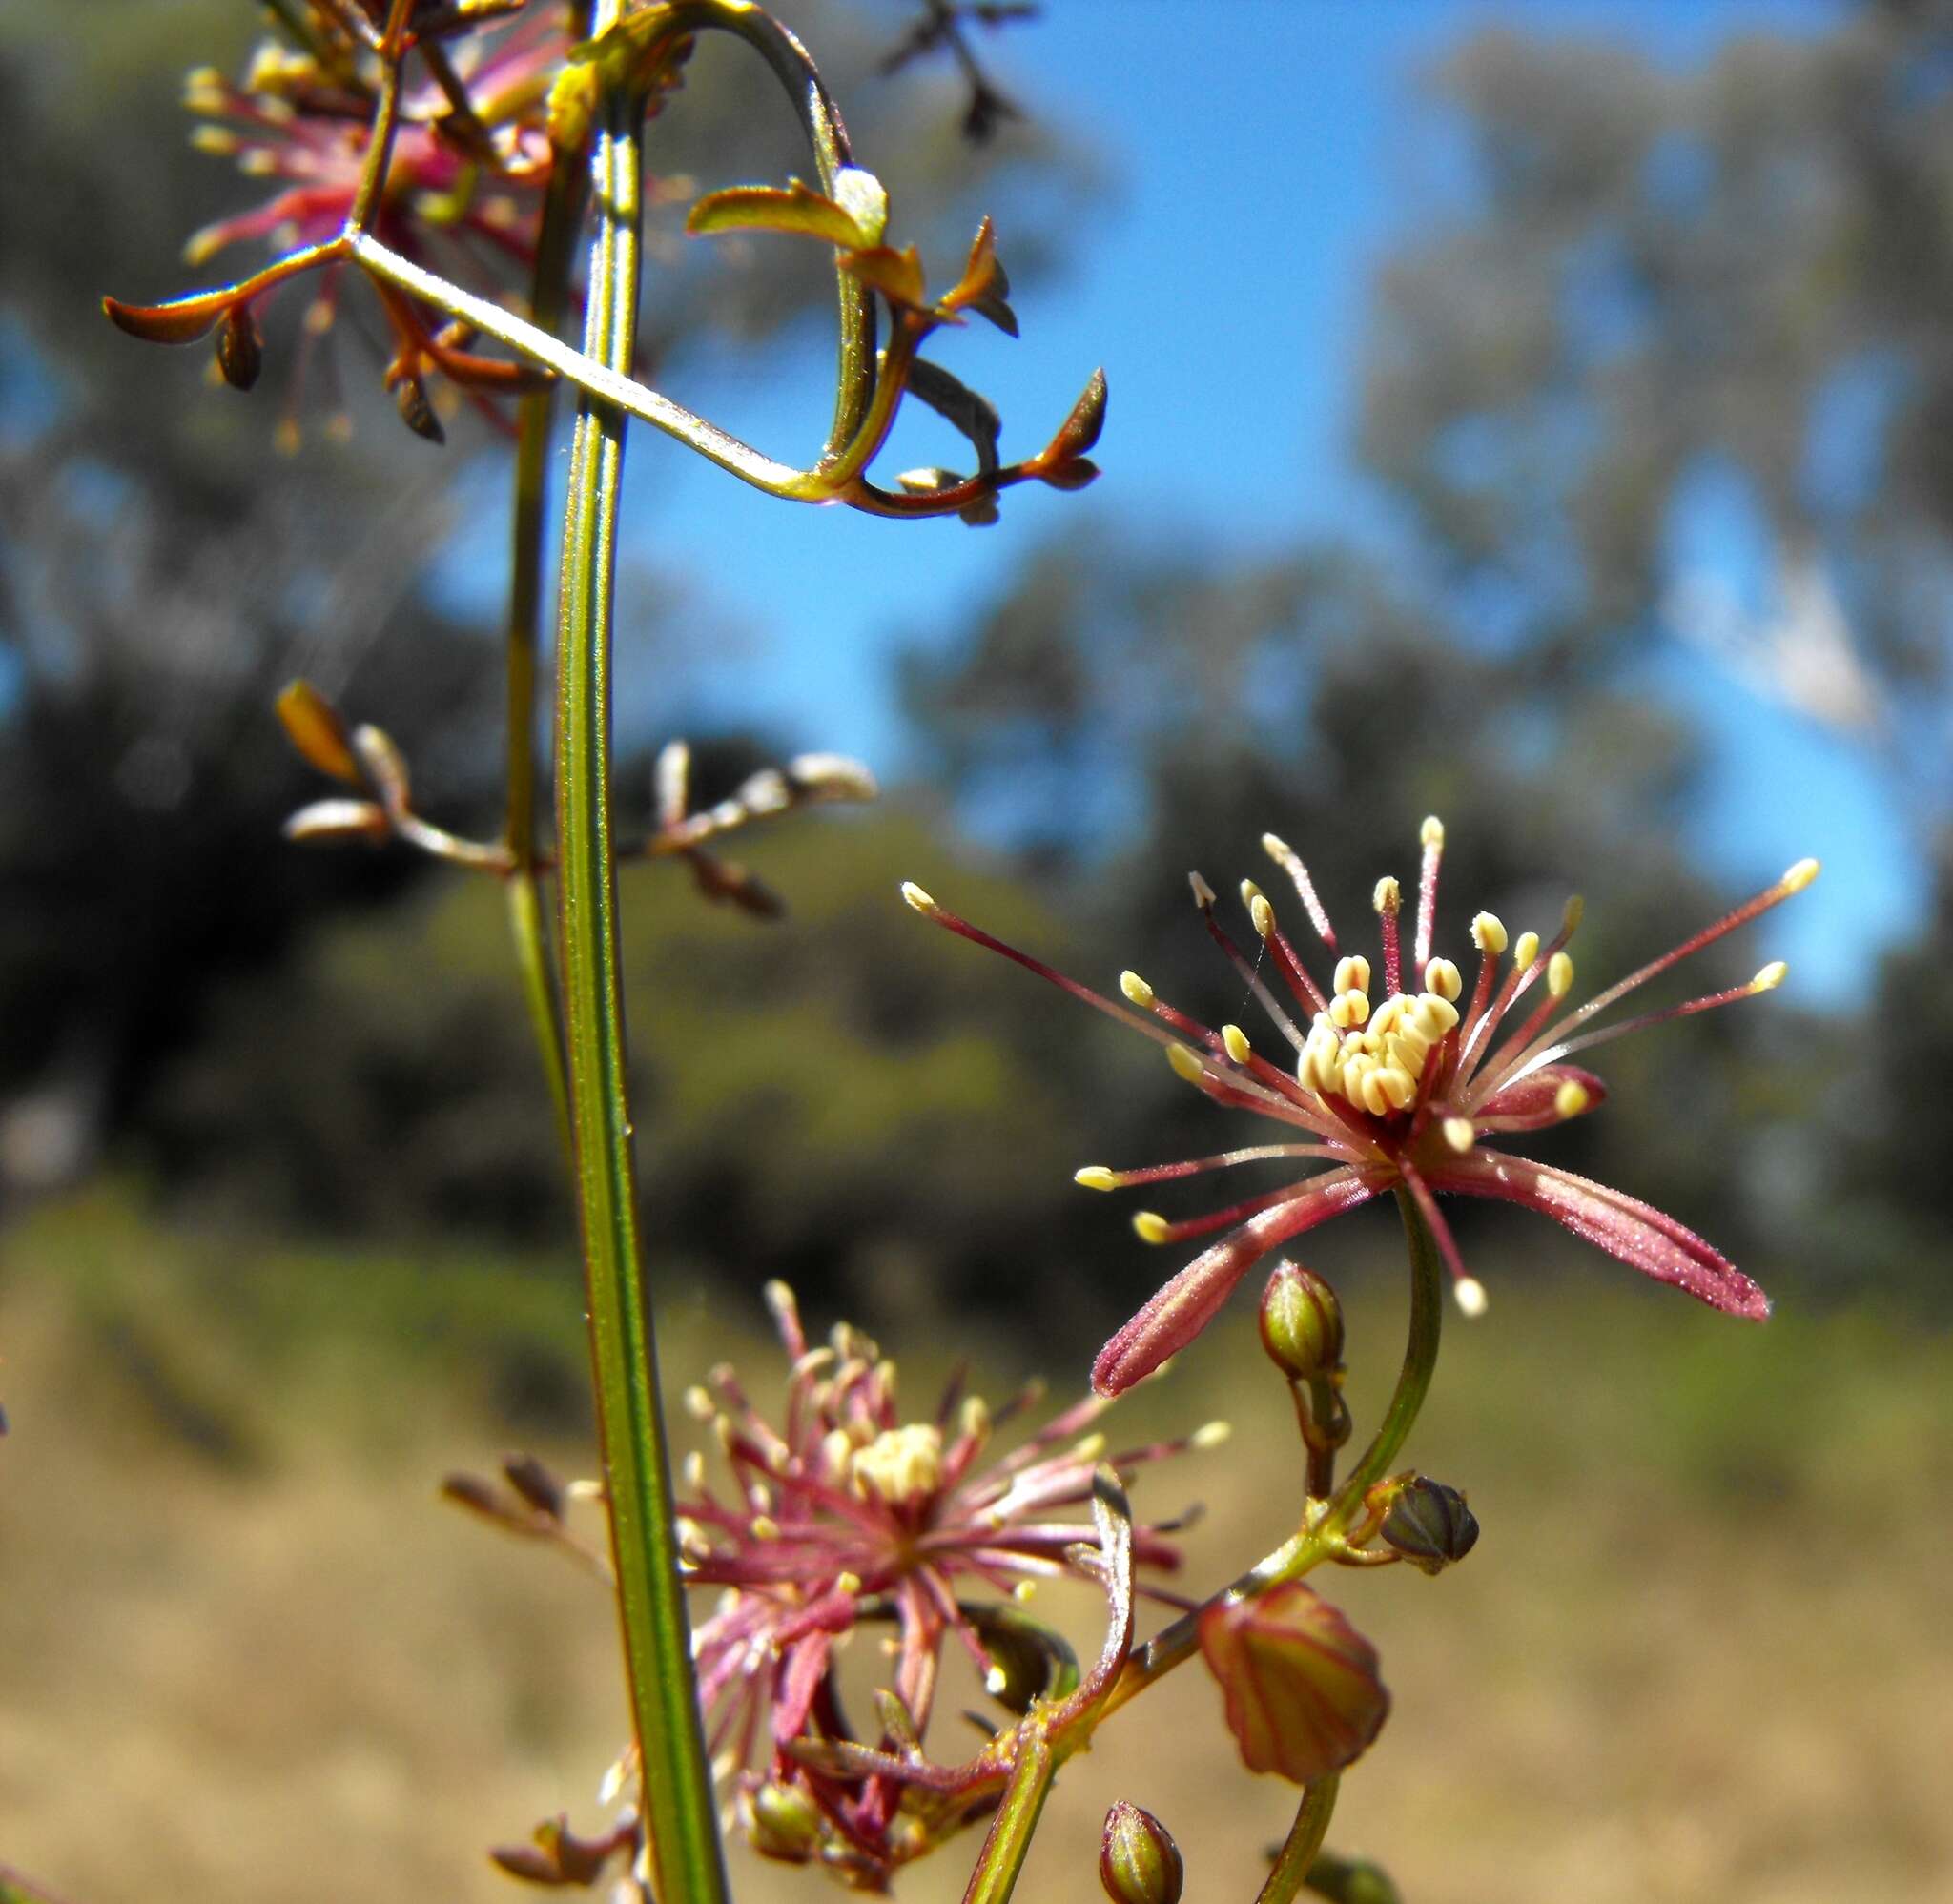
(1291, 862)
(1254, 980)
(1101, 1179)
(1431, 835)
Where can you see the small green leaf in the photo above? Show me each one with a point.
(799, 208)
(957, 404)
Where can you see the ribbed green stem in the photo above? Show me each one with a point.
(1009, 1841)
(687, 1863)
(549, 294)
(1304, 1841)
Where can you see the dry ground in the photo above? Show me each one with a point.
(1702, 1651)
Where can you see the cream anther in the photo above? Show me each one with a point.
(1559, 974)
(1136, 988)
(1203, 893)
(1800, 875)
(1095, 1177)
(916, 898)
(1352, 974)
(1347, 1008)
(1526, 951)
(1261, 915)
(1442, 976)
(1571, 1099)
(1387, 897)
(1152, 1227)
(1210, 1435)
(1488, 934)
(1236, 1040)
(1185, 1063)
(1770, 977)
(1433, 833)
(1458, 1134)
(1471, 1295)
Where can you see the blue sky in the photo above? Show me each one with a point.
(1273, 156)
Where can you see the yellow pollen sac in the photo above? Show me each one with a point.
(1433, 833)
(1261, 915)
(1571, 916)
(1459, 1133)
(848, 1582)
(1571, 1099)
(1471, 1295)
(1387, 897)
(1136, 988)
(1526, 951)
(698, 1404)
(1442, 976)
(916, 898)
(1350, 1008)
(1407, 1048)
(1186, 1064)
(901, 1466)
(1770, 977)
(1399, 1086)
(1800, 875)
(1488, 934)
(1389, 1015)
(1236, 1040)
(975, 1417)
(1150, 1227)
(1249, 892)
(1559, 975)
(1203, 893)
(836, 1453)
(1376, 1096)
(1433, 1015)
(764, 1527)
(1352, 974)
(1095, 1177)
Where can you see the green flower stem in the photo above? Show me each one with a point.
(686, 1862)
(1319, 1540)
(1305, 1840)
(1009, 1841)
(550, 297)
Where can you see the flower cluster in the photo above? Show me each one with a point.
(845, 1515)
(1401, 1091)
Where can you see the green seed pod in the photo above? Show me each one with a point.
(784, 1823)
(1301, 1322)
(1139, 1863)
(1429, 1524)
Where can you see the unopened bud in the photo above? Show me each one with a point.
(785, 1823)
(1139, 1863)
(1429, 1524)
(1301, 1322)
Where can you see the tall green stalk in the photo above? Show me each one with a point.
(686, 1861)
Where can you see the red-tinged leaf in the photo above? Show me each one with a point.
(417, 413)
(1079, 432)
(898, 275)
(1187, 1304)
(1075, 473)
(799, 208)
(1300, 1682)
(529, 1862)
(1634, 1232)
(312, 726)
(340, 820)
(180, 322)
(241, 350)
(984, 286)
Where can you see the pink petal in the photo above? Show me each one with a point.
(1639, 1234)
(1187, 1304)
(1530, 1105)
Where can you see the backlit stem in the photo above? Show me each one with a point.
(1304, 1841)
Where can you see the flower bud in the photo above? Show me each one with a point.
(785, 1823)
(1301, 1321)
(1429, 1524)
(1139, 1863)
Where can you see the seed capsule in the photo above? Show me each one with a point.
(1431, 1525)
(1139, 1863)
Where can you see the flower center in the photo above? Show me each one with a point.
(901, 1466)
(1375, 1060)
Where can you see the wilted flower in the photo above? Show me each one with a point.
(845, 1514)
(1402, 1094)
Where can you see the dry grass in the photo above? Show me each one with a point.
(1701, 1652)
